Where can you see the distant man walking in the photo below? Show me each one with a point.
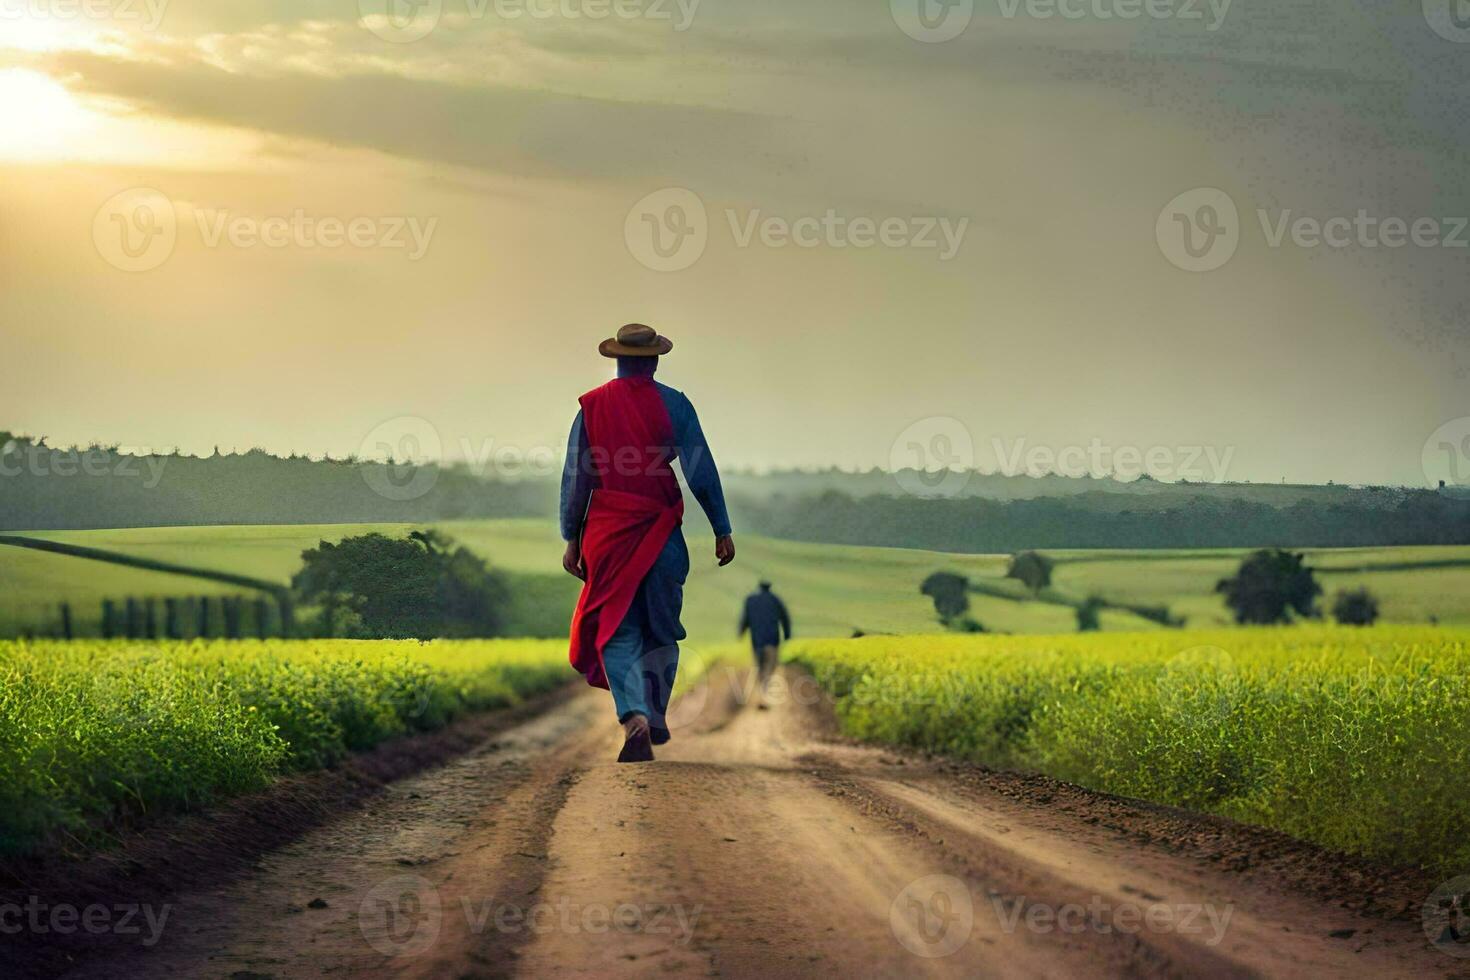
(621, 511)
(766, 618)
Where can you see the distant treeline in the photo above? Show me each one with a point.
(63, 489)
(987, 526)
(42, 488)
(1101, 493)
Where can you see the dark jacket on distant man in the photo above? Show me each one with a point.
(766, 617)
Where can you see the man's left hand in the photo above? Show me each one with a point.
(725, 550)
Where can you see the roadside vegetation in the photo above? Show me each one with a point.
(96, 736)
(1357, 739)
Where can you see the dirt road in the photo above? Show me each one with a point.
(758, 846)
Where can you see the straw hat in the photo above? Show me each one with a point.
(636, 340)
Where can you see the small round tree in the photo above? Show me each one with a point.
(1031, 568)
(951, 595)
(1088, 620)
(1270, 586)
(1355, 607)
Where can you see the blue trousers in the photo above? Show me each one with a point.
(639, 672)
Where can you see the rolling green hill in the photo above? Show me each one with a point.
(832, 590)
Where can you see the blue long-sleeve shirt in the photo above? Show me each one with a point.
(690, 447)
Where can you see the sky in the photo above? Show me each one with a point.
(1219, 236)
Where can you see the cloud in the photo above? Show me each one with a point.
(521, 132)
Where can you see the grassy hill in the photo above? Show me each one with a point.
(1412, 584)
(35, 583)
(833, 590)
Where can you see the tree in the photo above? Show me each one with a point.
(1033, 569)
(1270, 585)
(1355, 607)
(417, 587)
(1087, 615)
(951, 595)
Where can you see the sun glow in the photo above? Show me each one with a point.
(24, 33)
(39, 118)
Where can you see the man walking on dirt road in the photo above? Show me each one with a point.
(621, 511)
(766, 618)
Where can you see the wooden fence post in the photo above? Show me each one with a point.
(288, 614)
(109, 619)
(262, 618)
(172, 627)
(150, 618)
(135, 619)
(230, 606)
(66, 625)
(204, 623)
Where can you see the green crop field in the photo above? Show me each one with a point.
(1354, 738)
(833, 590)
(93, 733)
(97, 734)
